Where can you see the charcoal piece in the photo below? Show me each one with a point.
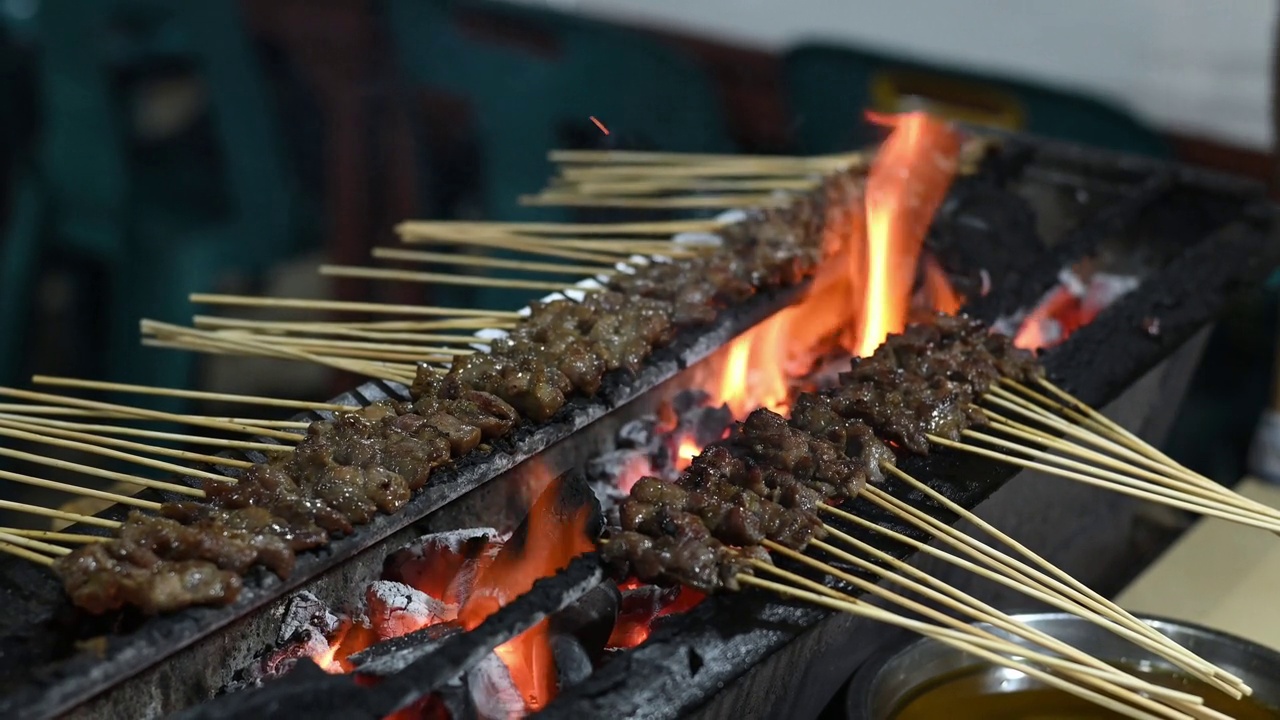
(573, 664)
(709, 423)
(442, 565)
(590, 619)
(493, 693)
(420, 641)
(395, 609)
(638, 433)
(306, 612)
(688, 400)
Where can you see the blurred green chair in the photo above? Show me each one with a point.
(529, 74)
(829, 89)
(162, 222)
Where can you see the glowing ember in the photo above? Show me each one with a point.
(600, 125)
(549, 541)
(1074, 302)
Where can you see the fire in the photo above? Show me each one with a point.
(688, 450)
(1080, 295)
(548, 541)
(864, 290)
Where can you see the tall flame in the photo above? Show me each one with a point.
(863, 290)
(907, 182)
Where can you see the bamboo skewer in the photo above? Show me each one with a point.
(1110, 680)
(488, 262)
(1006, 572)
(231, 326)
(646, 157)
(442, 278)
(99, 429)
(686, 202)
(1109, 481)
(660, 227)
(511, 243)
(640, 186)
(1121, 441)
(344, 306)
(377, 367)
(41, 511)
(1025, 432)
(952, 638)
(31, 411)
(57, 536)
(202, 337)
(32, 544)
(115, 442)
(412, 328)
(965, 604)
(190, 394)
(419, 350)
(92, 471)
(25, 554)
(1056, 578)
(211, 423)
(78, 490)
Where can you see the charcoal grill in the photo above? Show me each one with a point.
(1196, 240)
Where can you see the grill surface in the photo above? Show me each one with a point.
(1196, 239)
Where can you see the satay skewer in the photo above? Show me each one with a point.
(510, 243)
(655, 227)
(55, 514)
(189, 394)
(143, 413)
(1048, 574)
(463, 260)
(73, 538)
(91, 439)
(41, 411)
(100, 430)
(346, 306)
(1024, 584)
(1033, 435)
(951, 598)
(414, 276)
(647, 157)
(26, 554)
(687, 202)
(952, 638)
(78, 490)
(1111, 481)
(393, 329)
(92, 471)
(33, 544)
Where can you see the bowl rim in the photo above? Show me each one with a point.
(858, 697)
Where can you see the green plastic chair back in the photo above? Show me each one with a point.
(829, 89)
(87, 191)
(525, 94)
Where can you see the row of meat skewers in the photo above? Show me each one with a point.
(932, 387)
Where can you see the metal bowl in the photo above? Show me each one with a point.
(892, 676)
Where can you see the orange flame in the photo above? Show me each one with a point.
(863, 289)
(907, 182)
(551, 541)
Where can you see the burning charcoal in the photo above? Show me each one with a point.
(573, 664)
(590, 619)
(306, 612)
(493, 693)
(709, 424)
(396, 609)
(639, 433)
(441, 564)
(420, 641)
(688, 400)
(1151, 325)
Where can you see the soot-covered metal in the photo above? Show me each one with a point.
(52, 658)
(1201, 266)
(1191, 261)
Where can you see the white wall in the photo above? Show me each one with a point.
(1197, 66)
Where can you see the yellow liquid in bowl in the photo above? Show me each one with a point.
(983, 695)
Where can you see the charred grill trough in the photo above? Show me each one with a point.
(1004, 235)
